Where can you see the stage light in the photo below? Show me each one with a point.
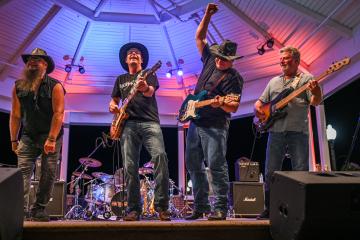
(68, 68)
(261, 50)
(81, 70)
(270, 43)
(168, 74)
(180, 72)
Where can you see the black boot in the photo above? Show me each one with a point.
(39, 214)
(195, 215)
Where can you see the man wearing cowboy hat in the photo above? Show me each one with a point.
(207, 136)
(141, 129)
(37, 106)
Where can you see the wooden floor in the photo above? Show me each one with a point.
(239, 228)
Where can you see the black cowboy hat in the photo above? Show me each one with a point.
(226, 50)
(38, 52)
(123, 53)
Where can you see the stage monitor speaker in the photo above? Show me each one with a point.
(247, 198)
(57, 204)
(315, 205)
(246, 171)
(11, 203)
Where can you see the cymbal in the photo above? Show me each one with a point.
(144, 171)
(90, 162)
(149, 165)
(102, 176)
(83, 176)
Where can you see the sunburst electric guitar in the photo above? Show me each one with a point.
(121, 116)
(274, 109)
(192, 103)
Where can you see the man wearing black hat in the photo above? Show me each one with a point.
(141, 129)
(37, 105)
(207, 136)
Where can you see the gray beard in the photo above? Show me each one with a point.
(30, 80)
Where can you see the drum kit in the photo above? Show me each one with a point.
(105, 196)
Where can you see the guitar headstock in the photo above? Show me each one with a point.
(156, 67)
(338, 65)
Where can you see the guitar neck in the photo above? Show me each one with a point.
(282, 103)
(204, 103)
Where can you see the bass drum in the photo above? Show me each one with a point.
(118, 203)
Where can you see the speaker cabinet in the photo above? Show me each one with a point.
(11, 203)
(246, 171)
(311, 205)
(247, 198)
(57, 204)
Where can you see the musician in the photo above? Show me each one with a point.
(141, 129)
(207, 136)
(290, 133)
(37, 105)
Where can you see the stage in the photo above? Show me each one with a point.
(234, 228)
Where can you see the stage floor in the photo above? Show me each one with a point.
(236, 228)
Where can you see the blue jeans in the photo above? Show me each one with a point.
(28, 152)
(208, 144)
(148, 134)
(294, 143)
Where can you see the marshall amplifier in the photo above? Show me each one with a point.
(247, 198)
(56, 206)
(246, 171)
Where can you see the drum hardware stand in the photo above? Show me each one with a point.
(186, 208)
(173, 210)
(76, 211)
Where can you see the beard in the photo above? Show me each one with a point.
(30, 80)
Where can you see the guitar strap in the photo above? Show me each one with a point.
(296, 81)
(218, 82)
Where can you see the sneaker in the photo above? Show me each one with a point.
(132, 216)
(39, 214)
(217, 215)
(264, 215)
(164, 215)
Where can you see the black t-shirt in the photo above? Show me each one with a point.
(209, 77)
(140, 107)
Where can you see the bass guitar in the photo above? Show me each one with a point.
(192, 103)
(121, 116)
(273, 110)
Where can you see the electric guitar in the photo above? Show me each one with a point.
(190, 106)
(273, 110)
(121, 116)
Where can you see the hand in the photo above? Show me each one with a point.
(259, 113)
(218, 101)
(14, 147)
(142, 85)
(49, 146)
(113, 108)
(314, 87)
(211, 9)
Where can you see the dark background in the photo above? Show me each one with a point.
(342, 112)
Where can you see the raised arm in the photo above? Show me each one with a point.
(200, 36)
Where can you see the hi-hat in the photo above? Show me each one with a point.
(149, 165)
(144, 171)
(90, 162)
(83, 176)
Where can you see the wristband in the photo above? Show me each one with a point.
(50, 139)
(14, 141)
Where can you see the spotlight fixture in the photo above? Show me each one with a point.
(179, 71)
(81, 70)
(269, 43)
(68, 68)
